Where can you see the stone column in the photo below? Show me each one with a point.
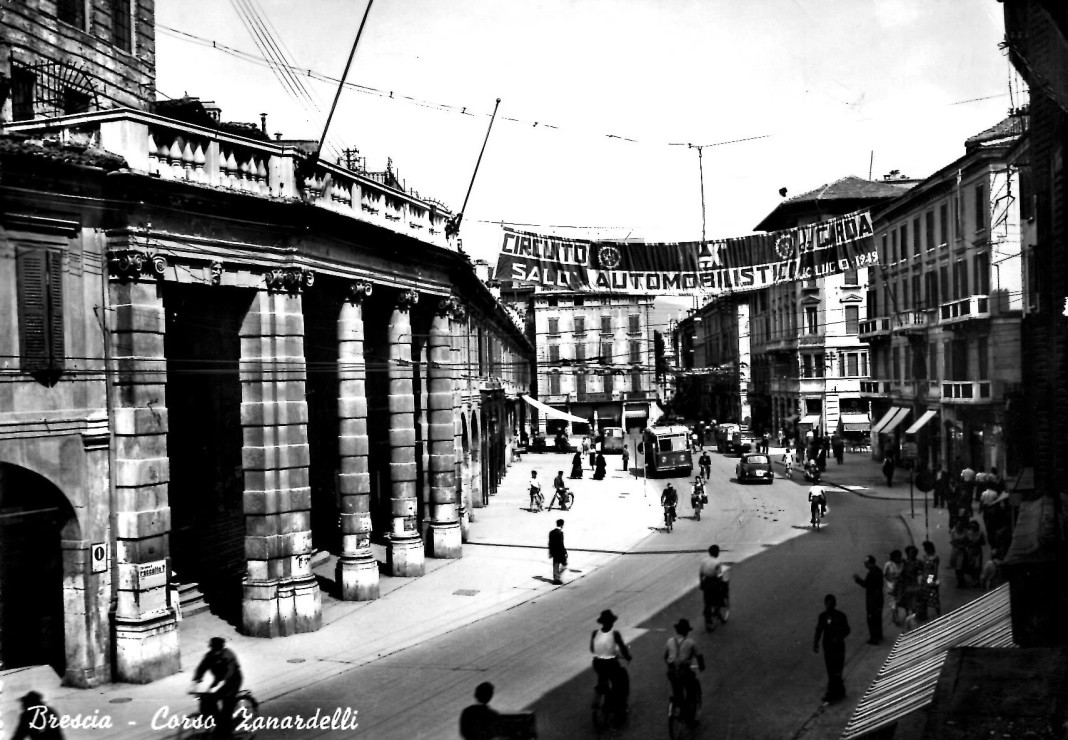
(405, 555)
(146, 635)
(444, 536)
(357, 569)
(281, 596)
(463, 504)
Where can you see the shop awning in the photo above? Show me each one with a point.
(854, 422)
(891, 419)
(908, 678)
(900, 417)
(918, 424)
(813, 419)
(554, 413)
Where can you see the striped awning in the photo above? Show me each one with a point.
(893, 417)
(854, 422)
(909, 676)
(918, 424)
(813, 419)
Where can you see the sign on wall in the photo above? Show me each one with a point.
(715, 266)
(99, 557)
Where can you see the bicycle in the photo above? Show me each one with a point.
(697, 503)
(817, 514)
(565, 497)
(196, 725)
(682, 716)
(606, 710)
(669, 517)
(720, 610)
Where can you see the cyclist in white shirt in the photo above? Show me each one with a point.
(714, 579)
(680, 653)
(817, 497)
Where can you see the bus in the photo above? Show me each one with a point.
(613, 440)
(667, 450)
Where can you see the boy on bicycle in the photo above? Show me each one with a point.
(680, 654)
(714, 581)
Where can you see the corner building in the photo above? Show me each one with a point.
(221, 361)
(945, 310)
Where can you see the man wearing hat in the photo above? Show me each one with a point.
(608, 647)
(37, 720)
(680, 654)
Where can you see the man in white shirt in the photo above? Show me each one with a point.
(817, 495)
(714, 580)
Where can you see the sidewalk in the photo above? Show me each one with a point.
(505, 563)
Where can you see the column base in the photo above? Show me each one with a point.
(146, 649)
(357, 577)
(445, 540)
(279, 609)
(465, 524)
(405, 558)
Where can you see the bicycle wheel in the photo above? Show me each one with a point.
(602, 717)
(667, 520)
(674, 721)
(245, 712)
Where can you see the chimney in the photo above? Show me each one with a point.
(277, 135)
(263, 123)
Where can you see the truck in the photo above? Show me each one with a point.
(734, 438)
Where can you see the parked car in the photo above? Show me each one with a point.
(754, 466)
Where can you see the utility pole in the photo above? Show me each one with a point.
(452, 228)
(701, 171)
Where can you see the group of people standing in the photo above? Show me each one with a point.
(598, 464)
(912, 587)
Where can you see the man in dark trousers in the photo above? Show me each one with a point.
(558, 552)
(873, 599)
(705, 463)
(833, 627)
(478, 721)
(220, 699)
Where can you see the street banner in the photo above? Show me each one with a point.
(717, 266)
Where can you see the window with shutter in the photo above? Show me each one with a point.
(635, 352)
(606, 324)
(606, 353)
(580, 324)
(554, 353)
(635, 323)
(40, 289)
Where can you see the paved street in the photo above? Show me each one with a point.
(408, 662)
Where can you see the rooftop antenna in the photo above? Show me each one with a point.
(452, 228)
(341, 84)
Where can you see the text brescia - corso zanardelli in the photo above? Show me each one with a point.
(719, 265)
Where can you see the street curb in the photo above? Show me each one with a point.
(700, 551)
(847, 489)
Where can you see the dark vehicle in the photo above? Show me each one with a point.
(667, 450)
(754, 466)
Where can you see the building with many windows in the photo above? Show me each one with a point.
(788, 356)
(944, 311)
(222, 362)
(596, 360)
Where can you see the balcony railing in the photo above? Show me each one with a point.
(875, 387)
(811, 340)
(964, 309)
(911, 321)
(967, 391)
(872, 328)
(216, 158)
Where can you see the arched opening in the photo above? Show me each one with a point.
(463, 485)
(35, 517)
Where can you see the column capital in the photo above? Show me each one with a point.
(133, 264)
(406, 299)
(359, 291)
(449, 306)
(289, 279)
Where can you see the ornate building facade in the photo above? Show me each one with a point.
(221, 363)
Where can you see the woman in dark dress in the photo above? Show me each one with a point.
(576, 465)
(601, 465)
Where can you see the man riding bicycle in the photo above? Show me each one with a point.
(714, 580)
(608, 647)
(817, 499)
(680, 654)
(221, 697)
(669, 499)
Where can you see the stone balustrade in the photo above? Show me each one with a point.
(175, 150)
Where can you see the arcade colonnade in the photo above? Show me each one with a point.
(439, 460)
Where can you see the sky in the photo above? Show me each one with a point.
(599, 98)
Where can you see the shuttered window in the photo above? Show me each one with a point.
(121, 31)
(40, 286)
(72, 12)
(634, 324)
